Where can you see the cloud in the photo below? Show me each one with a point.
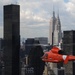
(70, 7)
(34, 19)
(29, 18)
(35, 15)
(67, 14)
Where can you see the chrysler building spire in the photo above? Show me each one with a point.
(59, 28)
(55, 30)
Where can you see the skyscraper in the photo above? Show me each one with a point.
(69, 48)
(11, 39)
(55, 33)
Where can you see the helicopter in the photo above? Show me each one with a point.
(55, 55)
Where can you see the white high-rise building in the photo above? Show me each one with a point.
(55, 33)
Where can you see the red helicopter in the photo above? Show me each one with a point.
(56, 55)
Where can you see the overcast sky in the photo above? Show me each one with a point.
(35, 16)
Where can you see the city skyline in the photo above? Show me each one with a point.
(35, 16)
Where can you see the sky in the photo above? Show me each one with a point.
(35, 16)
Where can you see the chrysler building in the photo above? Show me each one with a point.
(55, 33)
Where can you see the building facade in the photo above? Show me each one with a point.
(43, 42)
(28, 45)
(30, 42)
(69, 48)
(55, 33)
(11, 39)
(55, 37)
(1, 48)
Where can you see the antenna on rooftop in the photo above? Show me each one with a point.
(16, 2)
(53, 7)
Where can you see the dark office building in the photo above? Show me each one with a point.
(43, 42)
(12, 39)
(69, 48)
(35, 60)
(28, 45)
(1, 44)
(30, 42)
(1, 48)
